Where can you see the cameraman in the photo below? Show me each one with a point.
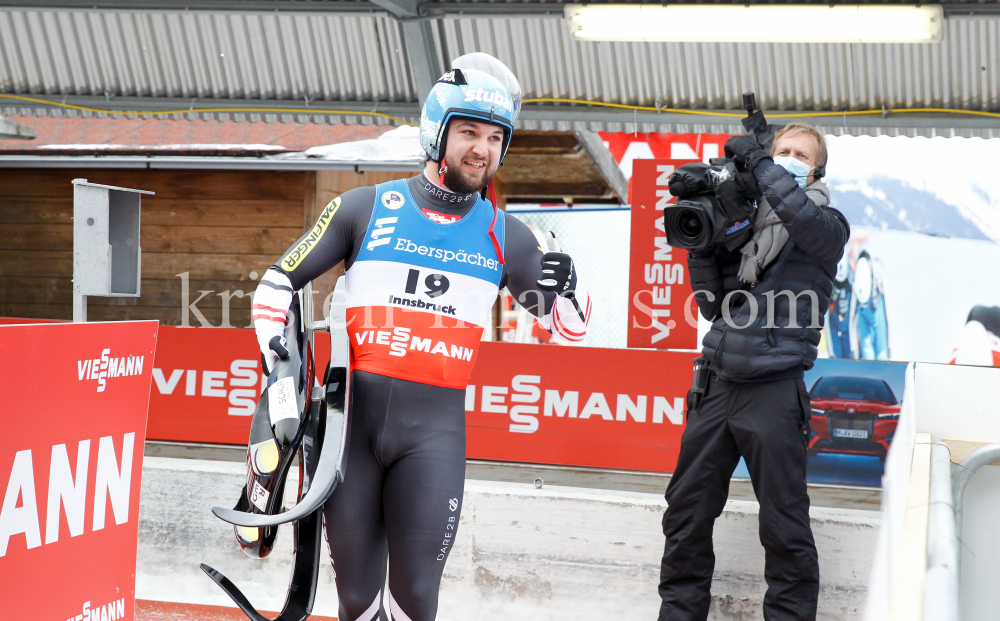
(755, 403)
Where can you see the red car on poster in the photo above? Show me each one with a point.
(852, 415)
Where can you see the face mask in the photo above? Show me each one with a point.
(797, 168)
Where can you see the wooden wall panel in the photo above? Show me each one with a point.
(217, 227)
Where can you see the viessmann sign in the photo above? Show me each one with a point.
(662, 312)
(573, 406)
(580, 406)
(74, 408)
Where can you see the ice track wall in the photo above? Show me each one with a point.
(521, 553)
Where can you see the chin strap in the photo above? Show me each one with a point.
(493, 193)
(442, 169)
(496, 214)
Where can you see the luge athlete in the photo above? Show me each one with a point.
(425, 259)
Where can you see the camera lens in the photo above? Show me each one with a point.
(689, 223)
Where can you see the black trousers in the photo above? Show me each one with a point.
(767, 423)
(401, 497)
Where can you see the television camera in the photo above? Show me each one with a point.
(716, 202)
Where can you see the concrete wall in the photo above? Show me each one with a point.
(521, 553)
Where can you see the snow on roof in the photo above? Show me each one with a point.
(164, 147)
(401, 144)
(107, 136)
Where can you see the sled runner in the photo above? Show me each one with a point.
(294, 416)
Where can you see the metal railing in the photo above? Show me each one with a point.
(941, 596)
(941, 590)
(980, 457)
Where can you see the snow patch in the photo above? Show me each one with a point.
(401, 144)
(166, 147)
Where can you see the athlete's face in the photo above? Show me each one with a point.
(472, 155)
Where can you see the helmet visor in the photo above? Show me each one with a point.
(496, 69)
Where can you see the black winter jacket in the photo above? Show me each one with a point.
(748, 349)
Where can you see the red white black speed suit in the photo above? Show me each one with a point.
(423, 269)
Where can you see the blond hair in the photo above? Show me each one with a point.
(797, 128)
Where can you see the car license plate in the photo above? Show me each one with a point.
(851, 433)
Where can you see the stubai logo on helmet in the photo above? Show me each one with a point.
(496, 97)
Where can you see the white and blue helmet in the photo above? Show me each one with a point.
(479, 87)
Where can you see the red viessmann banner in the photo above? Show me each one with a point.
(578, 406)
(662, 313)
(207, 381)
(557, 405)
(74, 412)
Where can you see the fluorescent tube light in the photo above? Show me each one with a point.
(783, 23)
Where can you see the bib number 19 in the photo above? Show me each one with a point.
(437, 284)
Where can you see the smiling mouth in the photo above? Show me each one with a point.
(476, 165)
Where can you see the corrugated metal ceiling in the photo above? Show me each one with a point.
(331, 60)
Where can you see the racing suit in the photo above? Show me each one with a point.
(424, 266)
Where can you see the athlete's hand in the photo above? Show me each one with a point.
(558, 274)
(275, 348)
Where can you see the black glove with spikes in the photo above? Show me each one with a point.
(558, 274)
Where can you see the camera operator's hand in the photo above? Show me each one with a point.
(746, 151)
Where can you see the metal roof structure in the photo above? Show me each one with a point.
(347, 61)
(541, 166)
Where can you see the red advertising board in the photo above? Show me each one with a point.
(628, 147)
(207, 382)
(74, 412)
(662, 311)
(580, 406)
(595, 407)
(576, 406)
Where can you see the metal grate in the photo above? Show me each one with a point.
(598, 241)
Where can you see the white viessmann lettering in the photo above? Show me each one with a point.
(529, 400)
(400, 341)
(107, 612)
(105, 367)
(242, 380)
(66, 492)
(663, 271)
